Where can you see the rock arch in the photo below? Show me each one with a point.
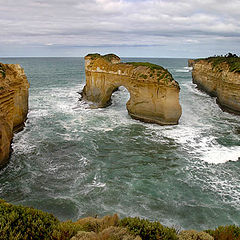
(154, 95)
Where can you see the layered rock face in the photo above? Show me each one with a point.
(154, 95)
(13, 105)
(219, 81)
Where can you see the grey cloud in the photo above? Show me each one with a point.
(119, 22)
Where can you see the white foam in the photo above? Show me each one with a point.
(182, 70)
(188, 134)
(192, 88)
(104, 129)
(221, 155)
(188, 68)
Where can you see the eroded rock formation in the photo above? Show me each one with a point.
(221, 79)
(154, 95)
(13, 105)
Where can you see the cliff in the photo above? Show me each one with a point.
(154, 95)
(13, 105)
(219, 77)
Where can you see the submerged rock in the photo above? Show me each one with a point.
(219, 77)
(154, 94)
(13, 105)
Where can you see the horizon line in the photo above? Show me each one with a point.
(84, 56)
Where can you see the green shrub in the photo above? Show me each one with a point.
(66, 230)
(232, 60)
(147, 64)
(108, 57)
(194, 235)
(148, 230)
(231, 232)
(18, 222)
(23, 223)
(94, 55)
(110, 233)
(91, 224)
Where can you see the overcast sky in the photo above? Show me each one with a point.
(145, 28)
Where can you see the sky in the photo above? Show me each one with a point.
(128, 28)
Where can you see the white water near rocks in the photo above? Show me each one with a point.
(74, 161)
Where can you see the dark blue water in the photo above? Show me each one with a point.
(74, 161)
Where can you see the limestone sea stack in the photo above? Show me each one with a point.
(219, 77)
(13, 105)
(154, 94)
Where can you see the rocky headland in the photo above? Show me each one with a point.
(154, 94)
(13, 105)
(219, 77)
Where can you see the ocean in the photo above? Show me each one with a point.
(74, 161)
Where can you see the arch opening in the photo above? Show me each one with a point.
(119, 98)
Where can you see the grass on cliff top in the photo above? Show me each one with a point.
(147, 64)
(232, 60)
(166, 74)
(108, 57)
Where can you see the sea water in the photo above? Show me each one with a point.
(74, 161)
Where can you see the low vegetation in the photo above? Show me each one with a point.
(19, 222)
(161, 73)
(231, 232)
(147, 64)
(194, 235)
(232, 60)
(108, 57)
(148, 230)
(94, 55)
(23, 223)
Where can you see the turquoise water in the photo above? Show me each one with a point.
(74, 161)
